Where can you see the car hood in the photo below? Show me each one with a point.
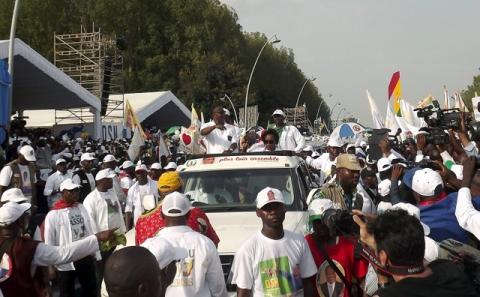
(234, 228)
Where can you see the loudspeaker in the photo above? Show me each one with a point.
(107, 71)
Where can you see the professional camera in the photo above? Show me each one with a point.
(438, 136)
(339, 222)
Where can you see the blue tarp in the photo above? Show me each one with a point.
(4, 95)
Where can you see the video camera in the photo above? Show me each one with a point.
(440, 120)
(339, 222)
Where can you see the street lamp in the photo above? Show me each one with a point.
(333, 108)
(338, 115)
(298, 98)
(272, 40)
(320, 106)
(231, 103)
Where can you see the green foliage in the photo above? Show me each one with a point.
(195, 48)
(469, 93)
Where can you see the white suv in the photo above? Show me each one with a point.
(225, 187)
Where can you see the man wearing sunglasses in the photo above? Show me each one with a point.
(67, 222)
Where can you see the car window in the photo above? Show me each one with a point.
(237, 187)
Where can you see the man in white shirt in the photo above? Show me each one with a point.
(52, 187)
(20, 173)
(68, 222)
(290, 139)
(199, 271)
(142, 187)
(104, 210)
(468, 217)
(109, 161)
(273, 262)
(84, 176)
(326, 160)
(219, 137)
(127, 176)
(22, 255)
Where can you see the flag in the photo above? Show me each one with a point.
(377, 118)
(390, 120)
(190, 137)
(410, 115)
(446, 104)
(425, 102)
(395, 90)
(137, 142)
(131, 120)
(162, 147)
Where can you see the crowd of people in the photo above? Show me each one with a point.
(376, 221)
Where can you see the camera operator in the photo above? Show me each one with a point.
(387, 150)
(398, 242)
(329, 248)
(467, 215)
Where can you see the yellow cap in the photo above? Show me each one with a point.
(169, 181)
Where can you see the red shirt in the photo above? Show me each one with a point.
(148, 225)
(343, 255)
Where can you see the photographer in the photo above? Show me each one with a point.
(468, 217)
(397, 240)
(330, 249)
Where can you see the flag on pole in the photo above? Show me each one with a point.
(137, 142)
(446, 104)
(131, 120)
(395, 90)
(377, 118)
(162, 147)
(190, 137)
(425, 102)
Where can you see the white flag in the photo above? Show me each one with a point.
(162, 147)
(390, 120)
(377, 118)
(136, 144)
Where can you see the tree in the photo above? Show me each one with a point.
(471, 92)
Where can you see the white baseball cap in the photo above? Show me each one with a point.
(13, 195)
(278, 112)
(60, 161)
(28, 152)
(334, 142)
(318, 207)
(175, 204)
(384, 164)
(157, 166)
(87, 157)
(315, 154)
(383, 207)
(105, 173)
(384, 187)
(363, 143)
(127, 164)
(413, 211)
(269, 195)
(170, 165)
(141, 167)
(426, 182)
(11, 211)
(164, 251)
(68, 184)
(227, 112)
(109, 158)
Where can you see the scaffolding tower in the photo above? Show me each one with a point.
(300, 117)
(95, 62)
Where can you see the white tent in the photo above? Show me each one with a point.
(38, 84)
(160, 109)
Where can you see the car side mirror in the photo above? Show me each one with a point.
(313, 194)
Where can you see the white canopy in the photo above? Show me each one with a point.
(160, 109)
(38, 84)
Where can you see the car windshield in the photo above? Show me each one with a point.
(236, 189)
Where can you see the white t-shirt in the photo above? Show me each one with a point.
(199, 271)
(218, 140)
(324, 164)
(6, 175)
(273, 267)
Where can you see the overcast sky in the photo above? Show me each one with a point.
(354, 45)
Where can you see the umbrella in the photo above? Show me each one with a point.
(347, 130)
(172, 130)
(4, 102)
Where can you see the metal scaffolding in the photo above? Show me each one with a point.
(94, 61)
(301, 117)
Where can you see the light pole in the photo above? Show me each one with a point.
(320, 106)
(338, 115)
(231, 103)
(298, 98)
(11, 48)
(272, 40)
